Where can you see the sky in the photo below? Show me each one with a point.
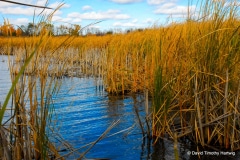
(111, 14)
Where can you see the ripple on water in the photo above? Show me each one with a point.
(5, 79)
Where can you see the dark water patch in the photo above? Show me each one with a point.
(84, 114)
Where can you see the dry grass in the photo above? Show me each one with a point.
(25, 134)
(196, 88)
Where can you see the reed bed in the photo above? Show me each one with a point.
(36, 70)
(190, 69)
(25, 134)
(197, 86)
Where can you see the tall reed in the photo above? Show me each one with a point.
(204, 103)
(24, 135)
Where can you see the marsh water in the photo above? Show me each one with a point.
(83, 111)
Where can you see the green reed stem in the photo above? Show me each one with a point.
(3, 109)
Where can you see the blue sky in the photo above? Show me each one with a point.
(114, 14)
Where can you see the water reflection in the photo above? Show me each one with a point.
(5, 81)
(116, 105)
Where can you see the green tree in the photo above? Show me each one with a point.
(74, 31)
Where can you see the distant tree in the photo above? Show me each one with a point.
(109, 32)
(118, 30)
(62, 30)
(19, 32)
(74, 31)
(140, 29)
(12, 31)
(129, 30)
(99, 33)
(31, 29)
(43, 28)
(7, 29)
(91, 31)
(4, 30)
(23, 28)
(50, 28)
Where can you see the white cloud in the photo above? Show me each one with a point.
(16, 10)
(124, 24)
(61, 19)
(56, 18)
(173, 9)
(7, 8)
(77, 20)
(101, 15)
(149, 21)
(133, 24)
(94, 27)
(41, 2)
(135, 21)
(53, 5)
(170, 7)
(126, 1)
(57, 4)
(35, 2)
(156, 2)
(19, 21)
(87, 7)
(28, 11)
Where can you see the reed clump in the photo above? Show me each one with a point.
(25, 134)
(197, 86)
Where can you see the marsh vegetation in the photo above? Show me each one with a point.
(189, 70)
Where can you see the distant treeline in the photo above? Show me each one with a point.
(31, 29)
